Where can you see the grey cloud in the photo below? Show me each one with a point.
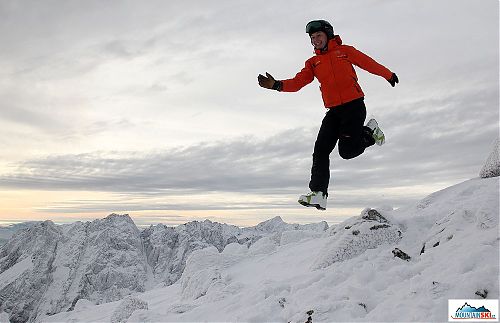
(158, 87)
(31, 117)
(120, 49)
(241, 164)
(123, 206)
(444, 140)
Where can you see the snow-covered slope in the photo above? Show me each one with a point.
(47, 268)
(390, 265)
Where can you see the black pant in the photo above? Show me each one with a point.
(344, 124)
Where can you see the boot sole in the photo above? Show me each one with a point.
(317, 206)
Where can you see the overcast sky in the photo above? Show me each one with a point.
(152, 108)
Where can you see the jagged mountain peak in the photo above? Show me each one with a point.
(43, 225)
(271, 224)
(276, 220)
(114, 217)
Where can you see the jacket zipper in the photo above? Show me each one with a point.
(334, 77)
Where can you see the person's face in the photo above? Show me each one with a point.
(319, 39)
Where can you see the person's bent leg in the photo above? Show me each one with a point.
(354, 137)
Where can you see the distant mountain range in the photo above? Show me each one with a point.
(46, 268)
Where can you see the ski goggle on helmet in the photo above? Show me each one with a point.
(320, 25)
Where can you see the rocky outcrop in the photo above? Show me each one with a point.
(356, 235)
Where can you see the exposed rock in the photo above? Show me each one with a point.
(380, 226)
(401, 254)
(373, 215)
(363, 305)
(482, 293)
(309, 316)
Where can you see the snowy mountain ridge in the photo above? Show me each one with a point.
(7, 231)
(385, 266)
(47, 268)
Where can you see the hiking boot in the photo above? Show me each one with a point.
(316, 199)
(377, 133)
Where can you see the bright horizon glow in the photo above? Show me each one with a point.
(57, 206)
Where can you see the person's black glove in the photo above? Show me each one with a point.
(268, 82)
(394, 79)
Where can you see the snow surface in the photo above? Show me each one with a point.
(15, 271)
(348, 273)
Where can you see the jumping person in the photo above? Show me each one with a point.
(343, 98)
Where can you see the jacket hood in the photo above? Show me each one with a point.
(332, 43)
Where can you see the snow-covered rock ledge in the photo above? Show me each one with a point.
(492, 166)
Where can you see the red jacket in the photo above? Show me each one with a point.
(335, 73)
